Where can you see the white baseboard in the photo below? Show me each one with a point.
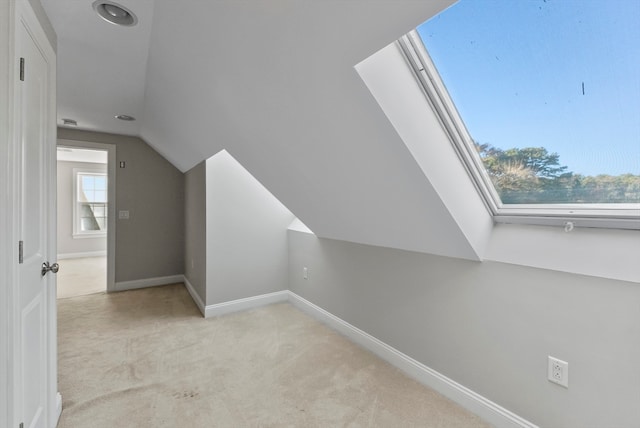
(148, 282)
(195, 296)
(481, 406)
(491, 412)
(244, 304)
(58, 407)
(62, 256)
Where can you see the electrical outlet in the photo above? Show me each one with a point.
(305, 273)
(558, 372)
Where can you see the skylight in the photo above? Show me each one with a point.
(541, 99)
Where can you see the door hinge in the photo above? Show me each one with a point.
(22, 69)
(20, 252)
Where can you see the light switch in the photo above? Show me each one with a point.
(123, 215)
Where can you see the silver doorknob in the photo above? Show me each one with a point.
(53, 268)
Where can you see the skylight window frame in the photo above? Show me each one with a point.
(620, 216)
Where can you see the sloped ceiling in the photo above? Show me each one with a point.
(101, 66)
(273, 82)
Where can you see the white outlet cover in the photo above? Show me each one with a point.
(558, 372)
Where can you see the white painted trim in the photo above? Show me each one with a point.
(244, 304)
(481, 406)
(82, 255)
(111, 221)
(195, 296)
(491, 412)
(75, 212)
(58, 412)
(87, 235)
(8, 184)
(149, 282)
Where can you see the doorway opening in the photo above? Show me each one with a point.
(85, 207)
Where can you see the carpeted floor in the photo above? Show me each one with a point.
(146, 358)
(81, 276)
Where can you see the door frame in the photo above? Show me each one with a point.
(7, 248)
(12, 13)
(111, 196)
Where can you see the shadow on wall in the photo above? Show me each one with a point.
(244, 250)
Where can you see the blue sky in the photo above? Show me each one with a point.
(515, 70)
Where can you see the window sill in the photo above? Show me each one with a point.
(632, 223)
(89, 235)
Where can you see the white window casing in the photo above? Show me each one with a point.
(78, 233)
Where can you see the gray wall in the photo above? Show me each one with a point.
(246, 234)
(66, 243)
(489, 326)
(151, 243)
(195, 251)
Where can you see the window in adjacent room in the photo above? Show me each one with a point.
(90, 198)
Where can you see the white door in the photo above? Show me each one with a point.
(33, 95)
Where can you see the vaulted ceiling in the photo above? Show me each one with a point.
(101, 66)
(273, 82)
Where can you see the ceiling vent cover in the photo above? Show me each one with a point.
(114, 13)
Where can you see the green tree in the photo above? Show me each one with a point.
(533, 175)
(527, 175)
(604, 188)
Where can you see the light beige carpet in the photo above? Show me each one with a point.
(78, 277)
(146, 358)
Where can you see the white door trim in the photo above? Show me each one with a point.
(8, 250)
(111, 221)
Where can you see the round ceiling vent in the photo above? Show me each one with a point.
(115, 13)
